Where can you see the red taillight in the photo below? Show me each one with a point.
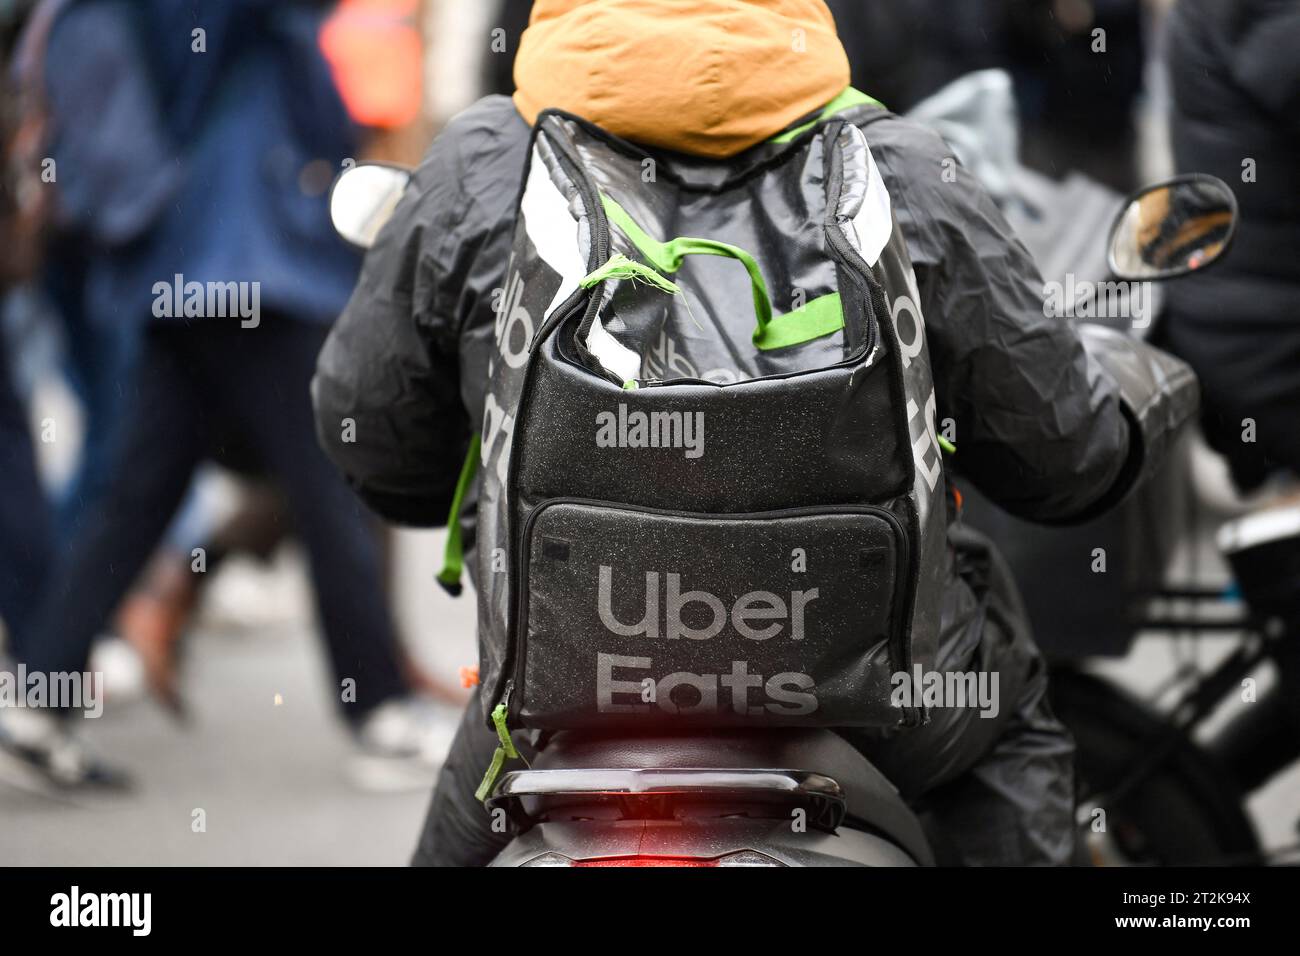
(646, 861)
(738, 858)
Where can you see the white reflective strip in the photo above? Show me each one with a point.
(874, 222)
(611, 353)
(1275, 524)
(552, 229)
(554, 232)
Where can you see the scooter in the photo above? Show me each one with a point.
(788, 797)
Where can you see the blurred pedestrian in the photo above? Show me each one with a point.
(26, 526)
(205, 137)
(1236, 87)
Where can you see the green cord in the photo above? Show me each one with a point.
(453, 556)
(503, 753)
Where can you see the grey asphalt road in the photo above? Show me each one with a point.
(270, 779)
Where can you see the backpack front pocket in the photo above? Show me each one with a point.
(636, 617)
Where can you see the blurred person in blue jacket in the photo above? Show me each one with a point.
(26, 525)
(195, 144)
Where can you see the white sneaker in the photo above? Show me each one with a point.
(119, 662)
(402, 744)
(38, 751)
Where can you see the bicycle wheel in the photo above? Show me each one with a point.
(1185, 810)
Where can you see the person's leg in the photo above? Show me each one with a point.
(1015, 807)
(457, 828)
(26, 527)
(155, 454)
(268, 374)
(1000, 787)
(100, 357)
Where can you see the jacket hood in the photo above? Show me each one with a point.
(706, 77)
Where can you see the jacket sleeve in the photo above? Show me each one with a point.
(395, 375)
(388, 410)
(1041, 425)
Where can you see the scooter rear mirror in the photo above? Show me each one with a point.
(1173, 228)
(363, 199)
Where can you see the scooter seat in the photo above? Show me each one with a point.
(870, 799)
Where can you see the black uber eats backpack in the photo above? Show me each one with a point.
(711, 487)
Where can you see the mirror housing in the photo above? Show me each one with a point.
(363, 198)
(1173, 228)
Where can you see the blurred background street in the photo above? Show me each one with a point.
(273, 779)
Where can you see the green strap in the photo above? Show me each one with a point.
(506, 751)
(453, 556)
(819, 317)
(847, 99)
(946, 445)
(669, 256)
(620, 266)
(490, 778)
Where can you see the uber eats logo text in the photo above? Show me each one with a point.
(696, 615)
(651, 430)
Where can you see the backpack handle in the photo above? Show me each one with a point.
(819, 317)
(669, 256)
